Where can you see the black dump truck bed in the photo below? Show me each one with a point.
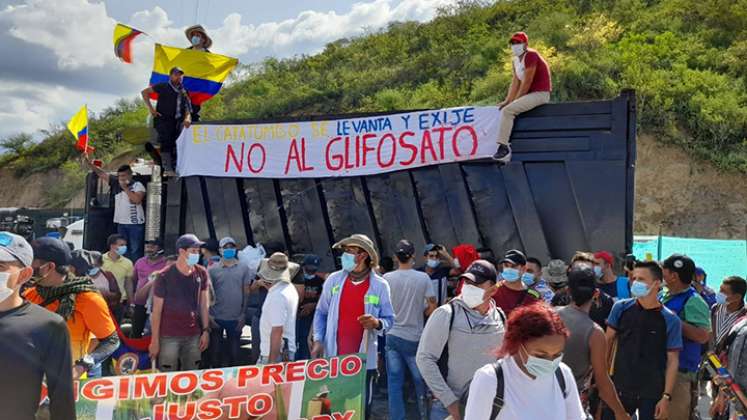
(569, 187)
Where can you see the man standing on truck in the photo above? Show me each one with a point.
(530, 87)
(172, 112)
(129, 215)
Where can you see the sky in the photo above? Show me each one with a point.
(56, 55)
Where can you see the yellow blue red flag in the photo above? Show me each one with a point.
(123, 36)
(78, 125)
(204, 72)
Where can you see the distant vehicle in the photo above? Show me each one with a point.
(58, 222)
(74, 233)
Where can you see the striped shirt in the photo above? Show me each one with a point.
(723, 321)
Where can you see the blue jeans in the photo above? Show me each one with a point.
(225, 350)
(438, 411)
(400, 355)
(134, 234)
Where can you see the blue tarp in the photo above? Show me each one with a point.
(718, 257)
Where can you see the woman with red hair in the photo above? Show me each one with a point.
(528, 381)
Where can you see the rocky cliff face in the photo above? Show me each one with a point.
(675, 195)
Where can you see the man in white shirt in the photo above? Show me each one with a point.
(277, 325)
(128, 207)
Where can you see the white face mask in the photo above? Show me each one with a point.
(5, 291)
(518, 49)
(473, 296)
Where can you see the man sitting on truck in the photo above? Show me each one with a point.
(530, 87)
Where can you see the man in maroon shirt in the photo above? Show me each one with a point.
(180, 310)
(530, 88)
(512, 292)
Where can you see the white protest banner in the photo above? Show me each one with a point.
(339, 147)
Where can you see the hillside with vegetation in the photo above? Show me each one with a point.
(686, 59)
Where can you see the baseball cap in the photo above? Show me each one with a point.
(154, 242)
(211, 245)
(405, 247)
(606, 256)
(51, 250)
(176, 69)
(311, 260)
(480, 271)
(683, 265)
(514, 256)
(227, 240)
(519, 37)
(431, 247)
(188, 241)
(15, 248)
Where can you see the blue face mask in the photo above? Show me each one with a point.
(309, 276)
(93, 271)
(433, 263)
(229, 253)
(348, 262)
(528, 279)
(539, 367)
(122, 250)
(510, 274)
(720, 298)
(193, 259)
(598, 271)
(639, 289)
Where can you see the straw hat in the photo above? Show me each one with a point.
(198, 28)
(363, 242)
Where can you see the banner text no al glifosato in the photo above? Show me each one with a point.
(340, 147)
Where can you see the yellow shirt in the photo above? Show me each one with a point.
(121, 269)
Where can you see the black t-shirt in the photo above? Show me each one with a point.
(440, 280)
(35, 342)
(312, 288)
(609, 288)
(641, 357)
(167, 100)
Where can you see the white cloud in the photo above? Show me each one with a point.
(78, 34)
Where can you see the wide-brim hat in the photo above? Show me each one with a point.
(275, 268)
(201, 30)
(322, 390)
(556, 271)
(363, 242)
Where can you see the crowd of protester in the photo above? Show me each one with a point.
(474, 336)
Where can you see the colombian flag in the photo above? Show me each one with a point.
(123, 36)
(204, 72)
(78, 125)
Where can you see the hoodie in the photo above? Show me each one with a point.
(472, 340)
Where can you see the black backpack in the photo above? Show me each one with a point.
(500, 387)
(443, 361)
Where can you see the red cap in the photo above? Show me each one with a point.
(606, 256)
(519, 37)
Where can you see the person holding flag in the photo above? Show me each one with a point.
(199, 41)
(172, 112)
